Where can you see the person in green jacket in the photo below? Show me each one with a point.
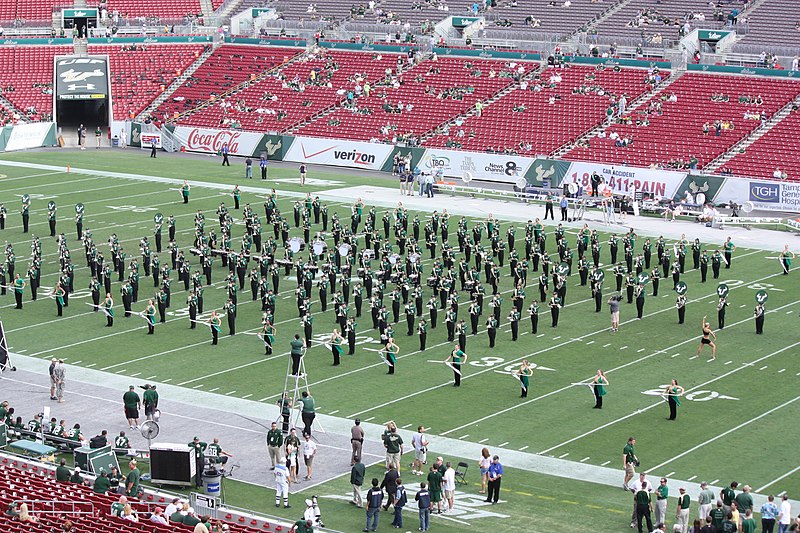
(598, 385)
(101, 483)
(62, 472)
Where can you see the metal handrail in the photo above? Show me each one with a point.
(76, 510)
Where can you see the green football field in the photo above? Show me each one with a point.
(739, 406)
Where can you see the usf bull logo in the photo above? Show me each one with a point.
(271, 148)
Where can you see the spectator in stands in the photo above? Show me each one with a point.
(132, 480)
(75, 434)
(172, 506)
(191, 519)
(129, 514)
(24, 516)
(157, 516)
(77, 477)
(114, 480)
(99, 441)
(118, 506)
(203, 525)
(122, 441)
(179, 514)
(62, 472)
(101, 483)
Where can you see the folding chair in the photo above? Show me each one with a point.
(461, 472)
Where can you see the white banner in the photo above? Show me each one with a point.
(626, 180)
(148, 139)
(766, 195)
(210, 141)
(490, 167)
(28, 136)
(354, 154)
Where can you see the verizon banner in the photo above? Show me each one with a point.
(370, 156)
(210, 141)
(627, 180)
(489, 167)
(81, 78)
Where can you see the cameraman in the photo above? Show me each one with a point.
(613, 306)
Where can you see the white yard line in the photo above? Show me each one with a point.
(784, 476)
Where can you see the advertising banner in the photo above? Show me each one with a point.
(210, 141)
(81, 78)
(368, 156)
(627, 180)
(491, 167)
(766, 195)
(25, 136)
(148, 139)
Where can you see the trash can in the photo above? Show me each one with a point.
(212, 480)
(115, 142)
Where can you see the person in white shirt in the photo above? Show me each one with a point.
(420, 444)
(449, 485)
(784, 515)
(281, 474)
(635, 487)
(309, 451)
(172, 507)
(157, 517)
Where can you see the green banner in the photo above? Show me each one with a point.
(416, 156)
(546, 172)
(463, 22)
(749, 71)
(712, 35)
(151, 40)
(23, 42)
(89, 13)
(487, 54)
(400, 49)
(257, 11)
(295, 42)
(611, 63)
(136, 134)
(274, 146)
(695, 183)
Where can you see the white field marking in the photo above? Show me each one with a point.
(693, 357)
(640, 350)
(556, 338)
(368, 419)
(563, 455)
(606, 345)
(151, 377)
(590, 342)
(696, 387)
(80, 361)
(214, 389)
(262, 400)
(406, 426)
(729, 362)
(39, 186)
(710, 360)
(784, 476)
(743, 305)
(229, 393)
(166, 380)
(540, 335)
(569, 387)
(197, 386)
(585, 459)
(120, 371)
(728, 432)
(604, 464)
(331, 413)
(691, 478)
(503, 444)
(59, 319)
(483, 440)
(91, 365)
(132, 375)
(624, 347)
(763, 367)
(789, 312)
(4, 180)
(463, 436)
(781, 370)
(670, 474)
(715, 482)
(523, 448)
(246, 396)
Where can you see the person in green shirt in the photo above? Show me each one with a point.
(744, 501)
(435, 488)
(524, 374)
(274, 443)
(454, 361)
(185, 192)
(150, 399)
(662, 493)
(391, 350)
(101, 483)
(62, 472)
(644, 507)
(684, 506)
(297, 348)
(118, 506)
(749, 523)
(132, 402)
(629, 461)
(199, 449)
(76, 476)
(216, 454)
(308, 412)
(302, 526)
(132, 480)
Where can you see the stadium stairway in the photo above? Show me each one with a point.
(636, 104)
(610, 12)
(187, 73)
(6, 103)
(755, 135)
(207, 7)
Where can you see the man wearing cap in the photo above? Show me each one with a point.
(172, 507)
(705, 498)
(682, 513)
(662, 495)
(132, 404)
(101, 483)
(199, 449)
(356, 441)
(150, 401)
(274, 443)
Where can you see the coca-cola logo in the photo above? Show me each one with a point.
(213, 141)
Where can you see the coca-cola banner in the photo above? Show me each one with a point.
(210, 141)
